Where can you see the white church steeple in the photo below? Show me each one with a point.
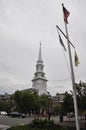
(39, 82)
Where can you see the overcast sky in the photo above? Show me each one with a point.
(26, 23)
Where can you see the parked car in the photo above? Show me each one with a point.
(4, 113)
(16, 114)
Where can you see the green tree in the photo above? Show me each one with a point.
(26, 101)
(6, 105)
(44, 102)
(67, 105)
(81, 96)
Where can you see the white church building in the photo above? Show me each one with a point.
(39, 81)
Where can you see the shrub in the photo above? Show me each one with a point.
(44, 124)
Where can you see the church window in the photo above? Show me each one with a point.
(42, 75)
(37, 67)
(36, 74)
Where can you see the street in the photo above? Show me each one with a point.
(6, 120)
(9, 121)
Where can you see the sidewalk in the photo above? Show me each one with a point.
(4, 127)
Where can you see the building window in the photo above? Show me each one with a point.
(37, 67)
(42, 75)
(36, 74)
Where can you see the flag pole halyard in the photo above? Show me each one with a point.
(72, 74)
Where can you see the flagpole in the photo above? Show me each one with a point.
(73, 79)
